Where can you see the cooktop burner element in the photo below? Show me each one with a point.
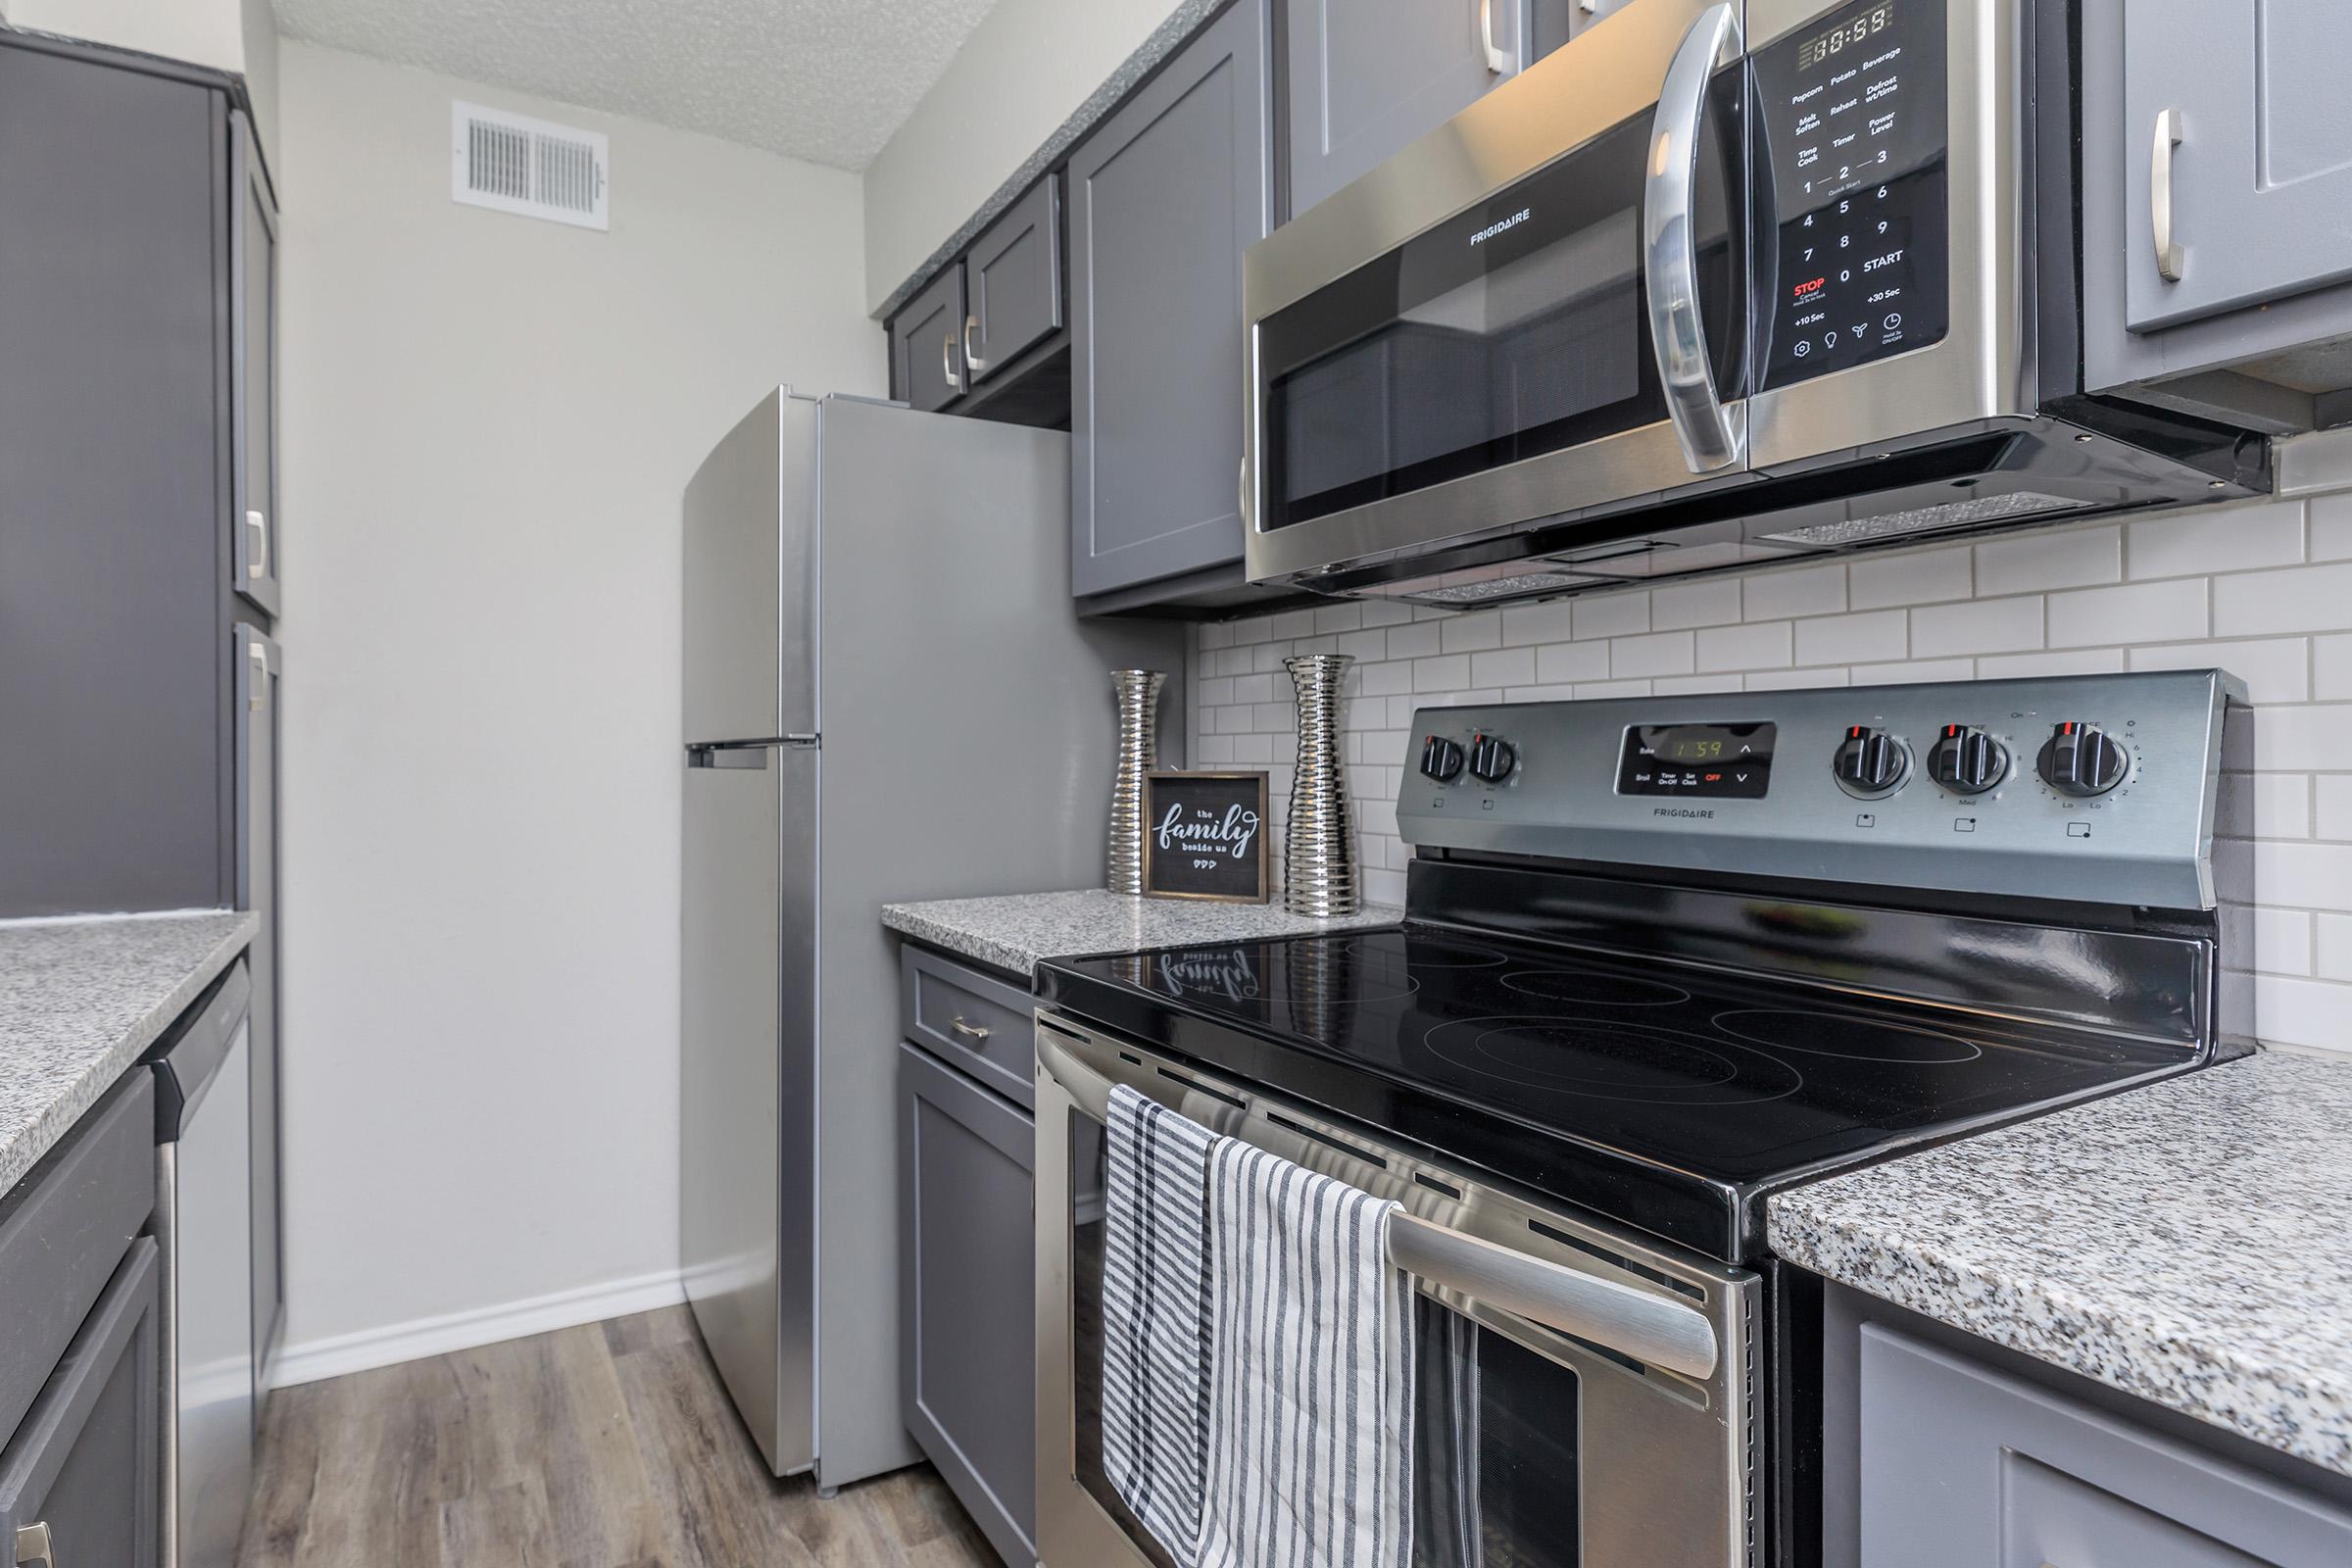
(1611, 1061)
(1591, 989)
(1856, 1039)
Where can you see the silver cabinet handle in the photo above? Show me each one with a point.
(259, 654)
(947, 363)
(970, 1031)
(1241, 500)
(1617, 1317)
(2160, 195)
(256, 544)
(1497, 63)
(973, 363)
(33, 1546)
(1670, 247)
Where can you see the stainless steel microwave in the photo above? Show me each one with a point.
(1712, 284)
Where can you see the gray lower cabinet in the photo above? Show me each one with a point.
(1937, 1457)
(1366, 78)
(1164, 196)
(969, 1292)
(1013, 279)
(926, 345)
(79, 1482)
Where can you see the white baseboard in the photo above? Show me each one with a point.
(312, 1361)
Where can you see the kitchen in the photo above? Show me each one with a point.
(679, 1036)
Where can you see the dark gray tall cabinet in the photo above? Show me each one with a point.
(139, 527)
(1164, 196)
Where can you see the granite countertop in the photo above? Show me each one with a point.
(2184, 1243)
(1021, 931)
(79, 1000)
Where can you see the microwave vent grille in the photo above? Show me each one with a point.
(513, 163)
(1464, 594)
(1976, 509)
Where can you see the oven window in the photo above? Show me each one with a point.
(1517, 328)
(1495, 1477)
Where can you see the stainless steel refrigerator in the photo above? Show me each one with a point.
(887, 697)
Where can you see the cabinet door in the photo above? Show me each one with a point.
(111, 488)
(85, 1471)
(1165, 197)
(926, 344)
(1368, 77)
(2011, 1475)
(253, 401)
(256, 662)
(967, 1288)
(2261, 176)
(1014, 277)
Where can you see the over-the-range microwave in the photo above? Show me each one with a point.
(1711, 285)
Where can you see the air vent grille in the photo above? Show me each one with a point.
(513, 163)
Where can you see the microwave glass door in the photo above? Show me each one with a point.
(1518, 327)
(1495, 1476)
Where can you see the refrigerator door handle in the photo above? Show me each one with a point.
(746, 757)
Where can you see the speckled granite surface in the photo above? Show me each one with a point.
(79, 1000)
(2190, 1243)
(1188, 18)
(1021, 931)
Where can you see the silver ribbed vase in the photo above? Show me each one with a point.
(1318, 849)
(1137, 691)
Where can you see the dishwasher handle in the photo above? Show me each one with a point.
(191, 1052)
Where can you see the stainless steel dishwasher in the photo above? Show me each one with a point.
(203, 1223)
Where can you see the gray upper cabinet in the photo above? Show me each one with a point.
(1368, 77)
(258, 667)
(1164, 196)
(926, 344)
(2242, 122)
(1014, 277)
(253, 399)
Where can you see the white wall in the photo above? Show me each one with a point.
(487, 424)
(1026, 68)
(2262, 590)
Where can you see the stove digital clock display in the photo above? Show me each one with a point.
(1712, 761)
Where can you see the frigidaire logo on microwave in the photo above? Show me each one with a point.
(1493, 229)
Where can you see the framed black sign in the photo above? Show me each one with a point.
(1204, 837)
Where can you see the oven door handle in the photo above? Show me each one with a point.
(1616, 1317)
(1670, 245)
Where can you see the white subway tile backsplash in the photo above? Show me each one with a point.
(2143, 613)
(2064, 661)
(1525, 624)
(1614, 614)
(2331, 816)
(1362, 646)
(2299, 1012)
(1709, 602)
(1387, 679)
(2334, 947)
(2309, 876)
(1252, 689)
(1591, 690)
(1449, 672)
(2330, 524)
(1803, 591)
(1470, 633)
(2233, 539)
(1875, 636)
(2332, 669)
(1911, 577)
(2257, 604)
(1504, 666)
(1416, 641)
(1763, 645)
(2312, 738)
(1665, 653)
(1572, 661)
(1914, 672)
(1291, 623)
(1786, 680)
(2281, 941)
(2059, 557)
(2275, 670)
(1339, 617)
(1693, 685)
(1977, 626)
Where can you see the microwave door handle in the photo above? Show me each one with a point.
(1616, 1317)
(1670, 245)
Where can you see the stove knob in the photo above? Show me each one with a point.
(1871, 762)
(2081, 759)
(1493, 759)
(1441, 758)
(1965, 761)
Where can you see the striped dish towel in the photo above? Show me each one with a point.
(1309, 1458)
(1155, 1315)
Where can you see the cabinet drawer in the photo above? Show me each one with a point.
(926, 345)
(979, 1023)
(1013, 280)
(63, 1234)
(85, 1469)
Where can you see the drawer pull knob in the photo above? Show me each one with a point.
(33, 1546)
(970, 1031)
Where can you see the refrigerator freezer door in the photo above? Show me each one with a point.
(747, 1092)
(751, 581)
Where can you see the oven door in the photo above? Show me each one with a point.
(1534, 1445)
(1539, 310)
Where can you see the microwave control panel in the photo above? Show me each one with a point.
(1852, 128)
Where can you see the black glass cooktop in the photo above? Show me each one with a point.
(1671, 1097)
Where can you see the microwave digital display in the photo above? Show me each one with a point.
(1852, 122)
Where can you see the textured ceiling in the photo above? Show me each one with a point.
(827, 81)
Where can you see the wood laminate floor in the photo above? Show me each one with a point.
(611, 1446)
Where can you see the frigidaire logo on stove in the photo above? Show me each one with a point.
(1493, 229)
(1677, 811)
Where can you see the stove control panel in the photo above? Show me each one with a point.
(2098, 789)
